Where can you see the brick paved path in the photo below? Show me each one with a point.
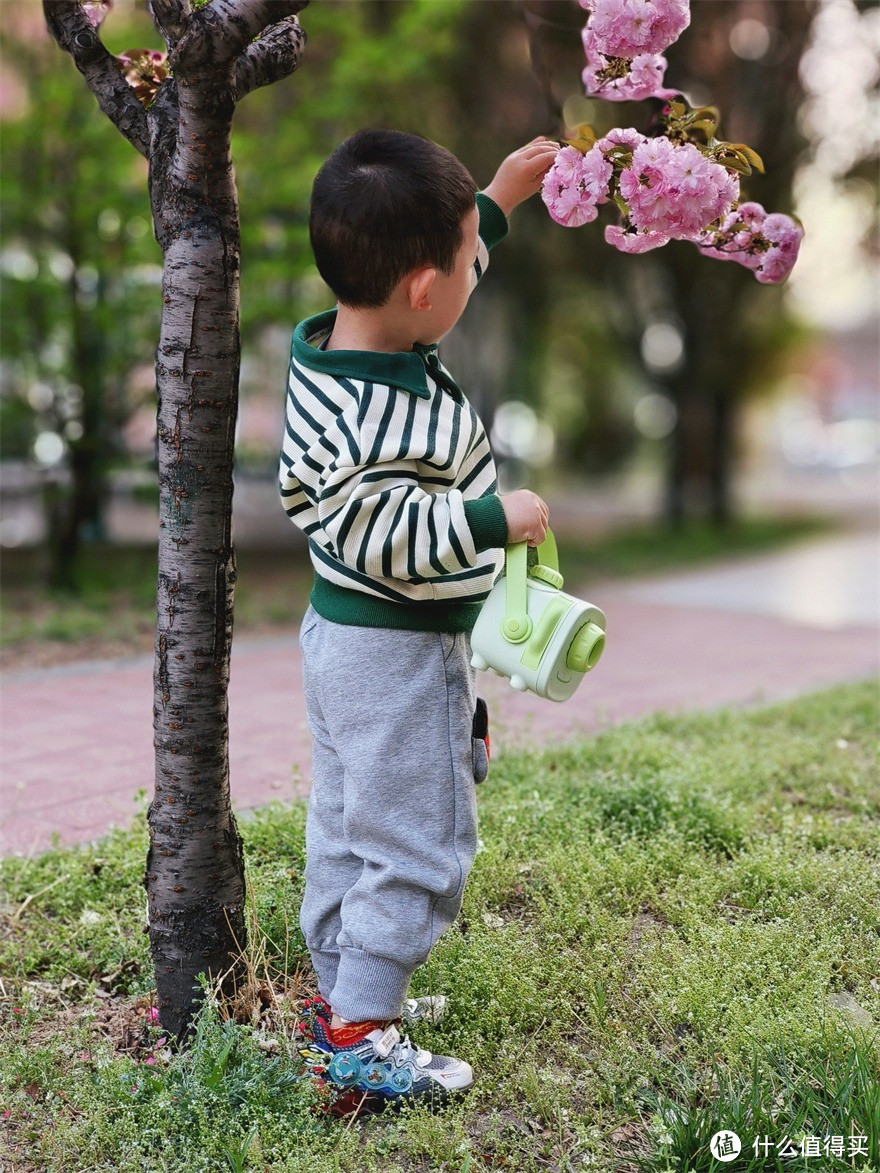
(76, 741)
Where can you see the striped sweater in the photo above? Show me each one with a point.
(386, 468)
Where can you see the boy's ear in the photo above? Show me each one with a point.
(418, 288)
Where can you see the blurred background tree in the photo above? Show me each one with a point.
(585, 362)
(81, 286)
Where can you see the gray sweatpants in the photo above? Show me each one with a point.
(391, 832)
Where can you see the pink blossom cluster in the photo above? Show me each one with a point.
(623, 42)
(768, 244)
(667, 188)
(672, 192)
(623, 80)
(575, 185)
(626, 28)
(675, 190)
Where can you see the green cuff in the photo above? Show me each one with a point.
(488, 524)
(493, 222)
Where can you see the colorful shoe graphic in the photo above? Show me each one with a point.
(381, 1068)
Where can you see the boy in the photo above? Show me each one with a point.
(387, 469)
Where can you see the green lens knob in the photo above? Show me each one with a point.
(586, 648)
(547, 574)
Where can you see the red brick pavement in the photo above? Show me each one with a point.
(77, 741)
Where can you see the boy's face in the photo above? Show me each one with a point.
(450, 291)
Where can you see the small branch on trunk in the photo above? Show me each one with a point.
(73, 31)
(220, 31)
(171, 18)
(274, 56)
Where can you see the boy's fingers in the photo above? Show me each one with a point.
(545, 152)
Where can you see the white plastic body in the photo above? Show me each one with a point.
(551, 678)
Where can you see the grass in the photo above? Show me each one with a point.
(112, 611)
(671, 930)
(652, 549)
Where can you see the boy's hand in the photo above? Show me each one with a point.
(521, 174)
(527, 516)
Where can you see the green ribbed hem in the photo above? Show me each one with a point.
(487, 522)
(493, 222)
(357, 609)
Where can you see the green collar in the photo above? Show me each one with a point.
(407, 370)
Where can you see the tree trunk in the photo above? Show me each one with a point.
(218, 53)
(700, 456)
(195, 870)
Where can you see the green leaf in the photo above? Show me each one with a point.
(584, 138)
(745, 154)
(752, 156)
(733, 161)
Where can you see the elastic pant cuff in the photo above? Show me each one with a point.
(368, 986)
(325, 963)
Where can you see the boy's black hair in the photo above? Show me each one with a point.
(383, 204)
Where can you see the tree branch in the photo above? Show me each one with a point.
(171, 18)
(275, 55)
(71, 28)
(220, 31)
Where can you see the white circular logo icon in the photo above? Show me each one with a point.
(725, 1146)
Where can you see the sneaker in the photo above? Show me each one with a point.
(380, 1068)
(430, 1008)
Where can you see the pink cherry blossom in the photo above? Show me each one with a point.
(766, 244)
(675, 190)
(95, 11)
(596, 174)
(784, 236)
(620, 137)
(751, 214)
(635, 241)
(646, 73)
(575, 185)
(621, 79)
(628, 28)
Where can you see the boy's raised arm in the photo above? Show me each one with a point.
(522, 173)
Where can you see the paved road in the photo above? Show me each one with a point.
(76, 745)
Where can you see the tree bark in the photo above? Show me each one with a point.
(195, 869)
